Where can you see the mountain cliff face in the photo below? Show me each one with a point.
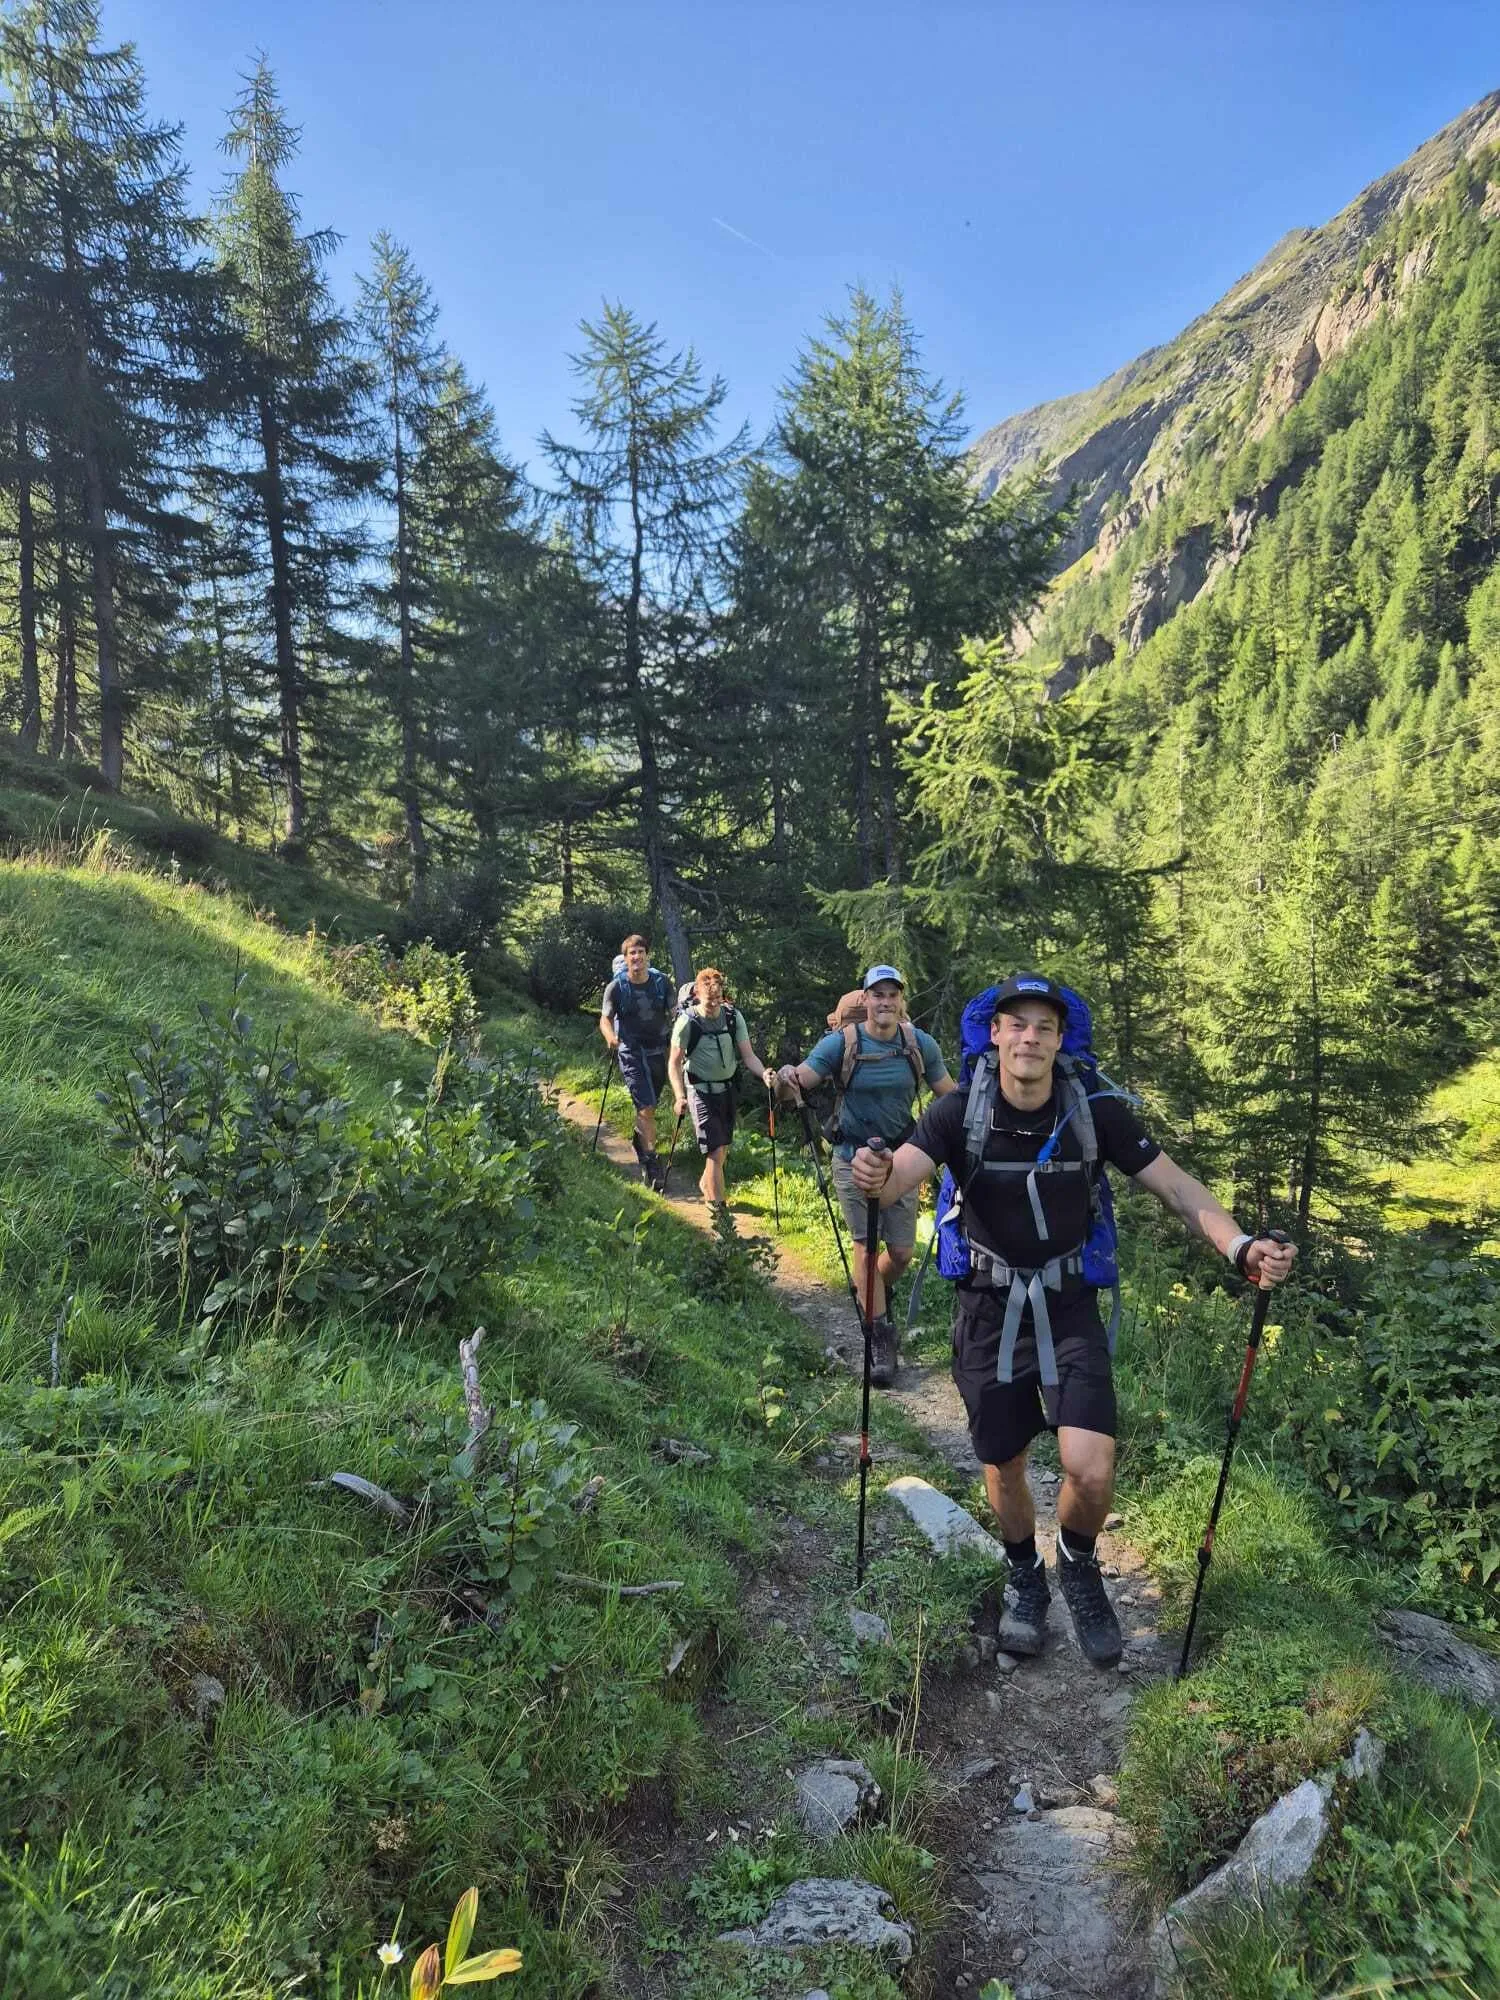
(1123, 448)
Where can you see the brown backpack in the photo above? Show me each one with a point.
(848, 1017)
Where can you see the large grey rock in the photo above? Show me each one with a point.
(831, 1795)
(951, 1530)
(820, 1910)
(1047, 1880)
(1432, 1651)
(1275, 1854)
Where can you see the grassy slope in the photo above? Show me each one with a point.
(162, 1518)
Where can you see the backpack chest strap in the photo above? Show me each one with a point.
(1025, 1288)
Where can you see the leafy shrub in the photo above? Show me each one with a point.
(727, 1267)
(262, 1191)
(572, 952)
(425, 991)
(503, 1505)
(249, 1166)
(456, 911)
(1397, 1408)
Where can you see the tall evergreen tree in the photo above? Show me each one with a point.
(866, 556)
(397, 314)
(648, 495)
(298, 464)
(104, 323)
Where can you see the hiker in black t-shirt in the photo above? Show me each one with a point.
(1021, 1373)
(635, 1019)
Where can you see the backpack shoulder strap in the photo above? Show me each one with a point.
(982, 1087)
(850, 1056)
(912, 1050)
(1075, 1093)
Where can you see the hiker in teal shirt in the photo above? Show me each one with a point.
(876, 1066)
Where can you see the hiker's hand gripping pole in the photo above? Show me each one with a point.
(872, 1255)
(1263, 1292)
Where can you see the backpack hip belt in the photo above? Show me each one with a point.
(1026, 1287)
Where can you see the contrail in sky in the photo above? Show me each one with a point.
(730, 230)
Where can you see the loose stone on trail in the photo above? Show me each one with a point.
(1432, 1652)
(869, 1628)
(951, 1529)
(819, 1910)
(835, 1793)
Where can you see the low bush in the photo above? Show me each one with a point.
(1395, 1401)
(425, 991)
(262, 1191)
(456, 911)
(572, 952)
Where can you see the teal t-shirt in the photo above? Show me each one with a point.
(879, 1097)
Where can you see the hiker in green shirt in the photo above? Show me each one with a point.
(710, 1042)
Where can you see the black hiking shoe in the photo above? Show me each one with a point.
(885, 1354)
(1023, 1623)
(655, 1170)
(1089, 1607)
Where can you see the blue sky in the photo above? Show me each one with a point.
(1054, 186)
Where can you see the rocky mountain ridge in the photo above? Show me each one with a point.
(1121, 447)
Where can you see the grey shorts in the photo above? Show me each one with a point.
(898, 1223)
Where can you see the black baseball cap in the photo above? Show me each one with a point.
(1031, 986)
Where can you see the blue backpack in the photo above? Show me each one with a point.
(1096, 1259)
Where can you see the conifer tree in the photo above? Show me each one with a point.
(104, 324)
(867, 555)
(398, 314)
(298, 464)
(648, 494)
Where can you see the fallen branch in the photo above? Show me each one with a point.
(623, 1589)
(481, 1414)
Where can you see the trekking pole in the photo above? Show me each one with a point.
(609, 1077)
(1236, 1416)
(671, 1151)
(872, 1253)
(812, 1147)
(771, 1121)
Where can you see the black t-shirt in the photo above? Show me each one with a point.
(642, 1014)
(996, 1206)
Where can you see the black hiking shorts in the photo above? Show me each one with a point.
(713, 1117)
(1004, 1417)
(645, 1073)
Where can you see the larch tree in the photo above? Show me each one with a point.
(298, 464)
(648, 495)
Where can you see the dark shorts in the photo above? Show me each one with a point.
(713, 1117)
(1004, 1417)
(645, 1073)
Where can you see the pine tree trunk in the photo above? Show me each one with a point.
(111, 694)
(565, 857)
(30, 732)
(64, 742)
(226, 715)
(288, 684)
(411, 800)
(659, 875)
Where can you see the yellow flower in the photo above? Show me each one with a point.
(390, 1954)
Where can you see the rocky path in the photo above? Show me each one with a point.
(1029, 1750)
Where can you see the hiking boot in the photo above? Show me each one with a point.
(1089, 1607)
(655, 1170)
(885, 1354)
(1023, 1624)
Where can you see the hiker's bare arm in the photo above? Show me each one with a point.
(1175, 1188)
(943, 1085)
(909, 1167)
(753, 1062)
(607, 1029)
(800, 1076)
(676, 1064)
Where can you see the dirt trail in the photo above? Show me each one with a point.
(1039, 1904)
